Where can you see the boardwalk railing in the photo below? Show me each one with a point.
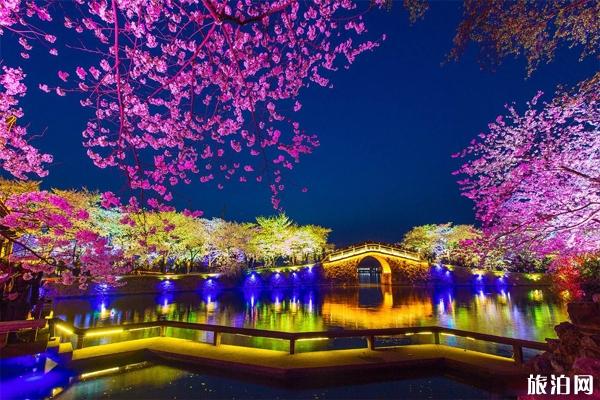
(7, 327)
(370, 246)
(58, 325)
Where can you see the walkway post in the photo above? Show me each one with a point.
(436, 337)
(518, 353)
(292, 346)
(79, 342)
(51, 328)
(371, 342)
(216, 338)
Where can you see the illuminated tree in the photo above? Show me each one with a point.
(271, 239)
(49, 238)
(534, 175)
(153, 236)
(227, 245)
(200, 88)
(194, 236)
(9, 188)
(306, 242)
(421, 240)
(534, 29)
(17, 155)
(444, 242)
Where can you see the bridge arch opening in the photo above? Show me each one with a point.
(373, 268)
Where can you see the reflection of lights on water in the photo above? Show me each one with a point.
(211, 305)
(481, 295)
(165, 307)
(293, 306)
(565, 295)
(277, 304)
(166, 284)
(502, 296)
(252, 301)
(441, 307)
(105, 313)
(536, 295)
(102, 287)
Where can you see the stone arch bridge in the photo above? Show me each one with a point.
(396, 264)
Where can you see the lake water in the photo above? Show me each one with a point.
(526, 313)
(156, 381)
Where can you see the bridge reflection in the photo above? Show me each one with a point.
(376, 308)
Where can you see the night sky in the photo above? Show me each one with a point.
(387, 131)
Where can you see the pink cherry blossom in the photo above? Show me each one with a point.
(534, 176)
(183, 83)
(17, 155)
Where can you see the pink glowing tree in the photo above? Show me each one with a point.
(201, 89)
(534, 175)
(17, 155)
(53, 235)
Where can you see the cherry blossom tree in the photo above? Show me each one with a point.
(227, 247)
(271, 239)
(49, 237)
(198, 88)
(448, 242)
(305, 243)
(533, 29)
(534, 175)
(17, 155)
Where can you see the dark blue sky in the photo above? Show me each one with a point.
(387, 131)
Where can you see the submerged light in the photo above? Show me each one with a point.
(100, 372)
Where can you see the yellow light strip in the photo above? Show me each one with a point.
(315, 338)
(96, 373)
(141, 329)
(424, 333)
(408, 334)
(448, 334)
(469, 338)
(63, 329)
(105, 332)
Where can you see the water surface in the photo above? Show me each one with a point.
(165, 382)
(527, 313)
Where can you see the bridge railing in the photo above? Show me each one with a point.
(373, 246)
(58, 325)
